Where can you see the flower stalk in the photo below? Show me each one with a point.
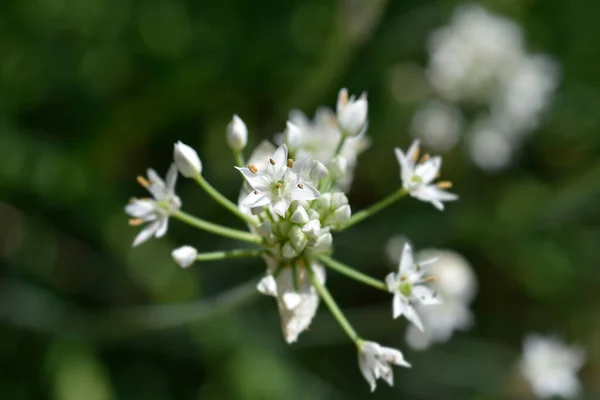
(217, 229)
(352, 273)
(223, 255)
(375, 208)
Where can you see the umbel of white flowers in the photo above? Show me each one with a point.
(292, 200)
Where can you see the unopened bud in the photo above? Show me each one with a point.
(298, 238)
(323, 242)
(300, 216)
(288, 250)
(187, 160)
(323, 202)
(338, 199)
(342, 215)
(312, 228)
(184, 256)
(318, 171)
(338, 166)
(293, 135)
(237, 134)
(351, 113)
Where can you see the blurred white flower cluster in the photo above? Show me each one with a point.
(480, 61)
(292, 199)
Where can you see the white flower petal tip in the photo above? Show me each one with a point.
(375, 362)
(184, 256)
(156, 211)
(352, 113)
(418, 175)
(237, 134)
(187, 160)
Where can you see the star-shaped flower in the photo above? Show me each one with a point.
(409, 289)
(418, 176)
(155, 211)
(278, 185)
(374, 362)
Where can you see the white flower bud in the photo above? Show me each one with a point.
(298, 238)
(288, 250)
(312, 228)
(351, 113)
(338, 166)
(318, 171)
(342, 215)
(323, 202)
(184, 256)
(265, 229)
(300, 216)
(293, 136)
(338, 199)
(323, 242)
(313, 214)
(187, 160)
(237, 134)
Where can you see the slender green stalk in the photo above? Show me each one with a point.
(333, 307)
(375, 208)
(222, 255)
(338, 149)
(214, 193)
(239, 158)
(352, 273)
(217, 229)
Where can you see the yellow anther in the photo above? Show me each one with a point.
(444, 184)
(135, 221)
(252, 168)
(290, 163)
(272, 161)
(143, 182)
(403, 278)
(416, 155)
(429, 279)
(278, 185)
(301, 186)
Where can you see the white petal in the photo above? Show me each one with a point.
(141, 209)
(391, 282)
(399, 305)
(280, 157)
(155, 179)
(259, 181)
(411, 314)
(407, 261)
(162, 229)
(256, 199)
(394, 356)
(307, 192)
(291, 300)
(281, 206)
(367, 371)
(146, 233)
(425, 295)
(428, 170)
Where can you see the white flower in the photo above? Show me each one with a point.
(297, 299)
(408, 289)
(237, 134)
(374, 362)
(184, 256)
(279, 185)
(154, 211)
(551, 367)
(418, 177)
(187, 160)
(352, 113)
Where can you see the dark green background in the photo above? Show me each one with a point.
(94, 91)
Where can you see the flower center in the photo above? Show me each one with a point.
(405, 288)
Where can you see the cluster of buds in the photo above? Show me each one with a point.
(293, 199)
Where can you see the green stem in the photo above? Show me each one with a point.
(239, 158)
(222, 255)
(214, 193)
(352, 273)
(338, 149)
(217, 229)
(331, 304)
(375, 208)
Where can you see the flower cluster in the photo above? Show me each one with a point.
(292, 200)
(480, 59)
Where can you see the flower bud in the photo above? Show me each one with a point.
(184, 256)
(351, 113)
(288, 250)
(323, 243)
(293, 135)
(187, 160)
(323, 202)
(341, 216)
(338, 166)
(237, 134)
(300, 216)
(338, 199)
(318, 171)
(312, 228)
(265, 229)
(298, 238)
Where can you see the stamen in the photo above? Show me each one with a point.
(136, 221)
(403, 278)
(252, 168)
(255, 192)
(143, 182)
(416, 155)
(272, 161)
(429, 279)
(444, 184)
(301, 186)
(278, 185)
(290, 163)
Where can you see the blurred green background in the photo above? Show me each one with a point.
(94, 91)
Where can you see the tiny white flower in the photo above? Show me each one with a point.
(184, 256)
(409, 289)
(551, 366)
(237, 134)
(375, 362)
(352, 113)
(154, 211)
(279, 185)
(297, 298)
(187, 160)
(418, 176)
